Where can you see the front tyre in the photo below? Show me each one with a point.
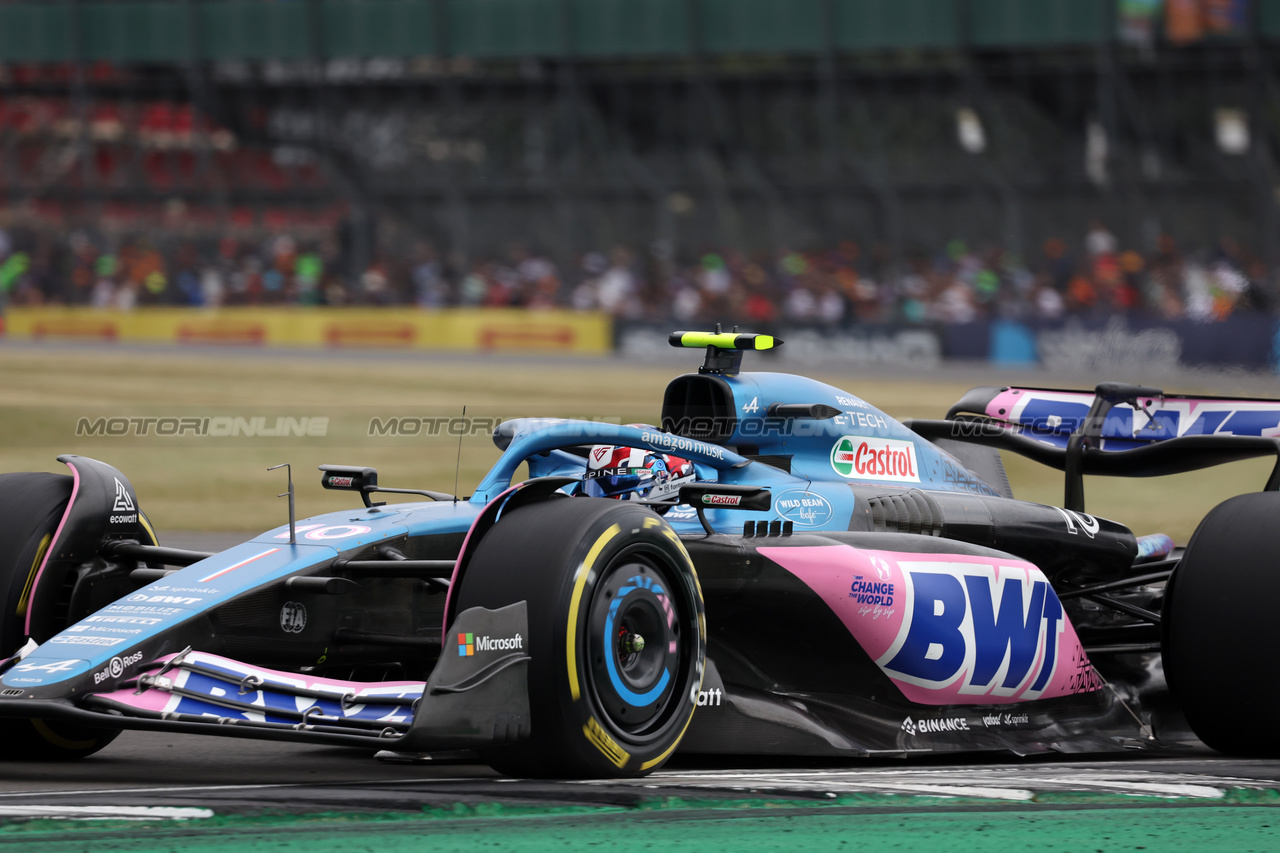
(31, 508)
(617, 638)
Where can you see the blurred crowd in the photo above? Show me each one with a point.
(847, 284)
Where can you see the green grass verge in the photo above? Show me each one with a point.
(1244, 821)
(188, 483)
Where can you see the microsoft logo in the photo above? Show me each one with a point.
(469, 644)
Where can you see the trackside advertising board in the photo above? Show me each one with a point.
(453, 329)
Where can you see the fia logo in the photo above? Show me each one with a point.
(293, 617)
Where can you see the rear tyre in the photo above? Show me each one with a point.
(616, 634)
(31, 508)
(1220, 626)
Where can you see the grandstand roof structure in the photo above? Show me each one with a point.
(139, 31)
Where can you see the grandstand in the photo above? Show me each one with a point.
(379, 136)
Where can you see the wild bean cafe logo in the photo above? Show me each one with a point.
(802, 508)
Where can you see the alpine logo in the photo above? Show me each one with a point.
(860, 458)
(54, 668)
(124, 501)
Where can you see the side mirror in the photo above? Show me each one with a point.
(724, 496)
(354, 478)
(350, 478)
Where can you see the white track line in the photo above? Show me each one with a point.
(91, 812)
(972, 782)
(990, 793)
(1161, 789)
(192, 788)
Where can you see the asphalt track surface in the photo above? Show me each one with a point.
(148, 792)
(229, 776)
(232, 776)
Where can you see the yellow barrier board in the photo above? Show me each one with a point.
(456, 329)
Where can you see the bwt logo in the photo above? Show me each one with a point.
(165, 599)
(1000, 636)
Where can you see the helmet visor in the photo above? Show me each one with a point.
(621, 482)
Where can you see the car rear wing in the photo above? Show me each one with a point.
(1117, 430)
(1138, 415)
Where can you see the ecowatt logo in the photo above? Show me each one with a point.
(469, 644)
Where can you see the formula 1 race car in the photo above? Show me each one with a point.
(780, 569)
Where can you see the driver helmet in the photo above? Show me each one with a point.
(634, 474)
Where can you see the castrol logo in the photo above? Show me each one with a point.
(862, 458)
